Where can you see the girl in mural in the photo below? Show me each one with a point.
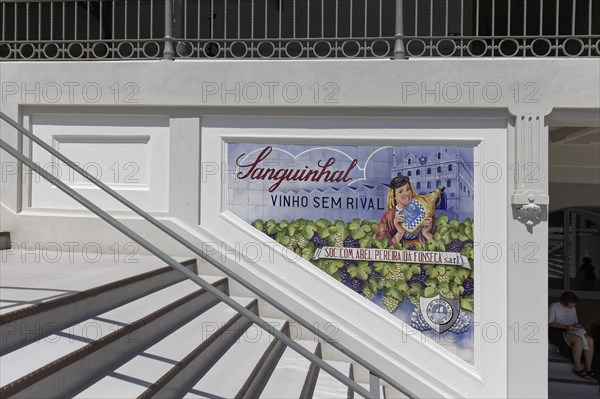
(400, 194)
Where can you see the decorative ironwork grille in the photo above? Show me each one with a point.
(268, 29)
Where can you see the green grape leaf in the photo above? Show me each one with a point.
(331, 269)
(402, 286)
(431, 282)
(357, 234)
(379, 266)
(468, 231)
(283, 239)
(307, 253)
(447, 238)
(429, 292)
(365, 242)
(291, 230)
(394, 294)
(463, 273)
(415, 289)
(441, 220)
(259, 224)
(454, 224)
(366, 228)
(307, 232)
(323, 223)
(441, 270)
(465, 251)
(338, 263)
(362, 275)
(352, 271)
(323, 232)
(437, 236)
(466, 304)
(454, 289)
(272, 229)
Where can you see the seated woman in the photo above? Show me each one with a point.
(565, 332)
(400, 194)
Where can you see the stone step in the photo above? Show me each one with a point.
(141, 372)
(39, 320)
(61, 363)
(327, 387)
(559, 390)
(292, 374)
(559, 371)
(246, 366)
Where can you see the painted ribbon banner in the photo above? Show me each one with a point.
(393, 255)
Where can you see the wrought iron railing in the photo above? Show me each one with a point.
(268, 29)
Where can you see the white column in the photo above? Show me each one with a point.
(528, 258)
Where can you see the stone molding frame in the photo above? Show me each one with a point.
(530, 197)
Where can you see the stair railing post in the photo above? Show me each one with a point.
(374, 385)
(399, 51)
(168, 51)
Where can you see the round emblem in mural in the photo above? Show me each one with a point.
(439, 311)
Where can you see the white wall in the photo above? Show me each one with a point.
(443, 91)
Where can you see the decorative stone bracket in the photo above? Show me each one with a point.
(529, 213)
(530, 196)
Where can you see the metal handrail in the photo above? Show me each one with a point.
(373, 371)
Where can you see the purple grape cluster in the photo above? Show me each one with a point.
(357, 285)
(350, 242)
(418, 322)
(412, 247)
(469, 286)
(349, 263)
(372, 266)
(455, 246)
(345, 277)
(376, 276)
(418, 278)
(318, 241)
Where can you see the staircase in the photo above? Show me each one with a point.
(142, 331)
(564, 384)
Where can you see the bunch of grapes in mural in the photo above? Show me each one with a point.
(395, 282)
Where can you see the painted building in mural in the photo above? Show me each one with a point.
(444, 168)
